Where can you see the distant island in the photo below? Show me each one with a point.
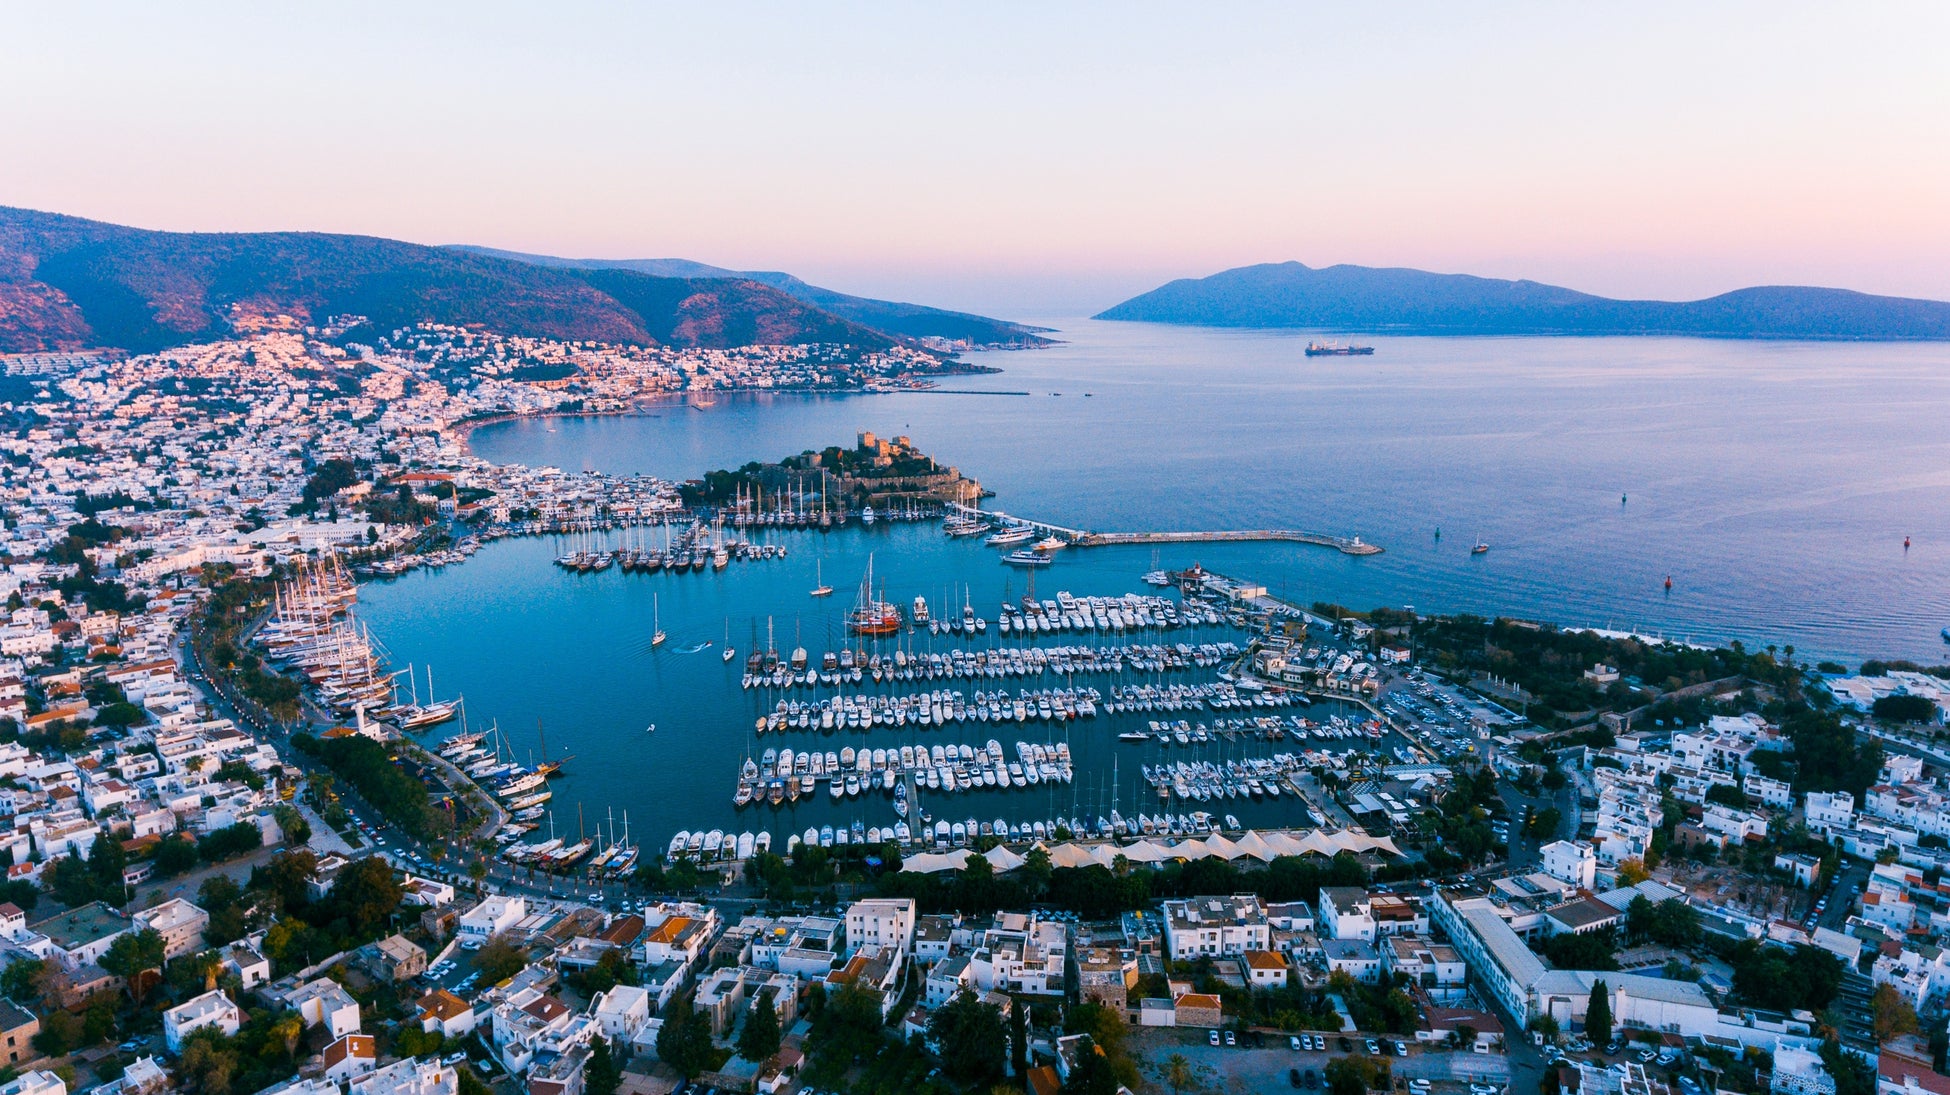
(1417, 302)
(67, 283)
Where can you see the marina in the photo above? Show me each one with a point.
(1123, 710)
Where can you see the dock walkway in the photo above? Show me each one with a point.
(1347, 545)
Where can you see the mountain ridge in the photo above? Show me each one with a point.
(70, 282)
(916, 321)
(1404, 300)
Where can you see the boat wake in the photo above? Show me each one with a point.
(698, 649)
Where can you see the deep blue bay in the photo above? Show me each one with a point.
(1774, 482)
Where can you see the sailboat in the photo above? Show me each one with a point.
(871, 615)
(415, 716)
(819, 571)
(1481, 547)
(729, 653)
(657, 635)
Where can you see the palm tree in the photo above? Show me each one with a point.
(288, 1031)
(1178, 1072)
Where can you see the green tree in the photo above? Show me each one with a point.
(1092, 1074)
(845, 1029)
(1904, 709)
(365, 893)
(60, 1034)
(1785, 978)
(287, 877)
(1597, 1015)
(1543, 824)
(499, 960)
(760, 1038)
(1356, 1075)
(601, 1075)
(411, 1041)
(133, 954)
(1178, 1072)
(1893, 1014)
(292, 825)
(210, 1061)
(224, 901)
(1854, 1074)
(174, 856)
(684, 1041)
(974, 1044)
(192, 974)
(1590, 951)
(1726, 794)
(1035, 873)
(107, 863)
(20, 981)
(230, 842)
(1109, 1033)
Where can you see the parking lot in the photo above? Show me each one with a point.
(1242, 1068)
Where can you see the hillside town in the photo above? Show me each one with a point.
(1581, 876)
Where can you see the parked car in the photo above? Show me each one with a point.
(1231, 1040)
(1294, 1043)
(1293, 1076)
(1211, 1037)
(1346, 1046)
(1401, 1048)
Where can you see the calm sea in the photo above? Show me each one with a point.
(1774, 483)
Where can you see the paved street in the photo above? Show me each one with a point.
(1239, 1069)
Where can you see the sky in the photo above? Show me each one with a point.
(1030, 160)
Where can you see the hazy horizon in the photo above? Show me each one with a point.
(1019, 161)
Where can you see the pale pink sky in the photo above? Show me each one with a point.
(1009, 158)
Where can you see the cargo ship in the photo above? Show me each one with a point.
(1335, 349)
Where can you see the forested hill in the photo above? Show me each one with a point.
(916, 321)
(70, 283)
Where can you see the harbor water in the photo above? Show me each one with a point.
(1773, 482)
